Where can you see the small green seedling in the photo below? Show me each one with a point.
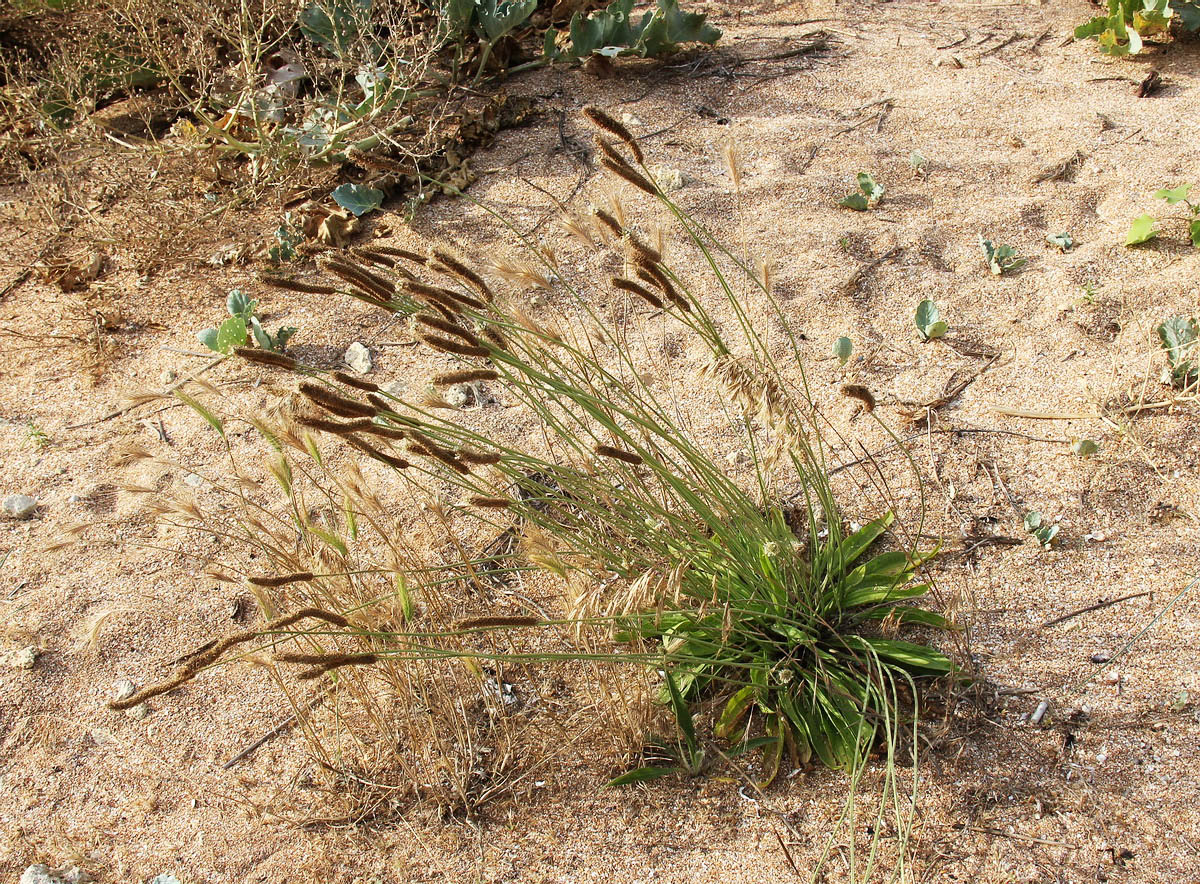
(1180, 337)
(1084, 447)
(237, 329)
(287, 237)
(868, 196)
(37, 435)
(1061, 241)
(1046, 535)
(1145, 227)
(842, 348)
(1000, 259)
(929, 322)
(918, 163)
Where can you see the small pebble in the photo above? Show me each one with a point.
(460, 395)
(358, 358)
(1101, 657)
(193, 479)
(168, 377)
(1111, 676)
(19, 506)
(138, 712)
(670, 180)
(123, 689)
(1040, 712)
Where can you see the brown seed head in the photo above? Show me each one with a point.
(629, 174)
(603, 121)
(632, 287)
(447, 345)
(358, 383)
(618, 454)
(282, 580)
(265, 357)
(342, 406)
(861, 393)
(447, 263)
(450, 328)
(467, 376)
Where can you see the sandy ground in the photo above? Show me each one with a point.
(990, 95)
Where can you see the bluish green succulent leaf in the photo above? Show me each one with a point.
(1062, 240)
(1179, 336)
(335, 24)
(499, 17)
(928, 321)
(208, 338)
(238, 303)
(842, 348)
(260, 334)
(1092, 28)
(357, 198)
(1084, 447)
(1188, 12)
(871, 189)
(855, 201)
(282, 336)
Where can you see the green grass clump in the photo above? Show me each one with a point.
(749, 596)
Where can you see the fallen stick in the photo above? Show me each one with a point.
(1095, 607)
(1045, 415)
(271, 734)
(851, 284)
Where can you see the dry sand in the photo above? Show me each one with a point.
(1109, 794)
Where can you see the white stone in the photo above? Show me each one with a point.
(19, 506)
(358, 358)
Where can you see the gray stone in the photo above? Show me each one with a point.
(41, 874)
(358, 358)
(19, 506)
